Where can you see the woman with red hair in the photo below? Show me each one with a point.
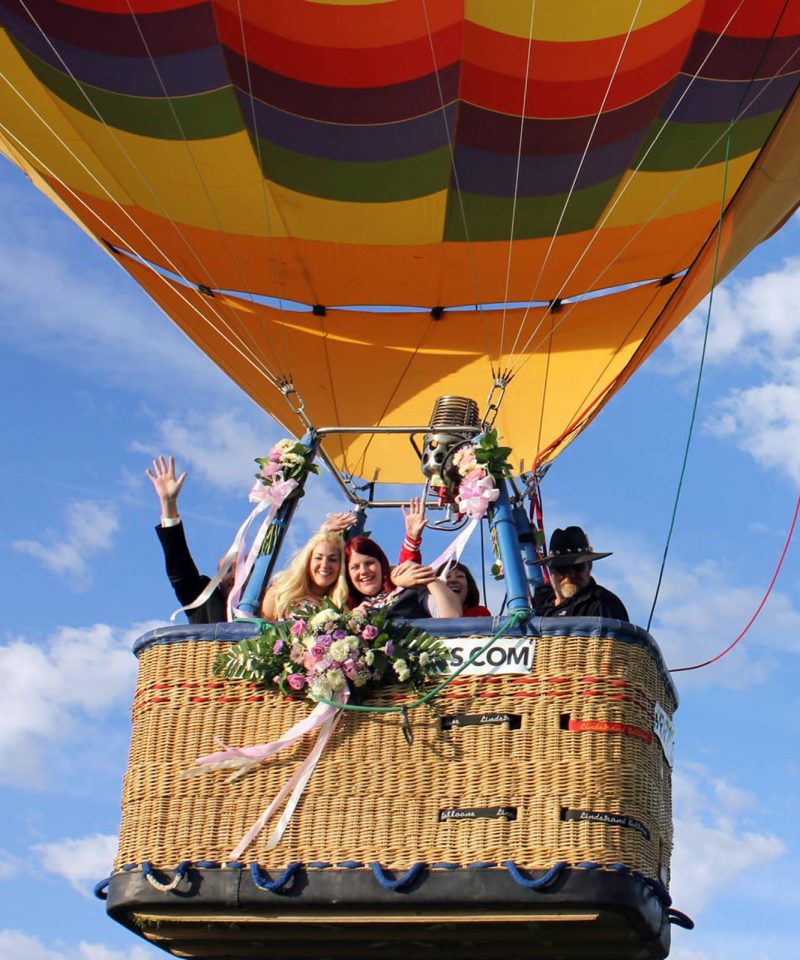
(373, 583)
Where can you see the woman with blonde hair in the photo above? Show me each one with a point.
(314, 573)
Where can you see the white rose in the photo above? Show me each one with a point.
(402, 671)
(319, 688)
(339, 650)
(335, 678)
(323, 617)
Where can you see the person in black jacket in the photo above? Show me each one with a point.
(187, 582)
(573, 592)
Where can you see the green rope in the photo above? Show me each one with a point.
(699, 376)
(515, 618)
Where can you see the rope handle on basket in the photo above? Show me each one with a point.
(680, 919)
(529, 884)
(400, 882)
(273, 886)
(150, 877)
(100, 889)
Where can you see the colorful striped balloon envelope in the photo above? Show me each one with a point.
(377, 202)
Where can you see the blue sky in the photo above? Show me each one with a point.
(95, 382)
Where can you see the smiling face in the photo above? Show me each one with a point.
(366, 574)
(324, 565)
(456, 579)
(567, 581)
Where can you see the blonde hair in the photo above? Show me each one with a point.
(294, 583)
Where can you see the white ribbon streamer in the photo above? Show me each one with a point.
(323, 717)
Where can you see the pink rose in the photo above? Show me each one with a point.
(310, 660)
(369, 632)
(298, 628)
(269, 470)
(296, 681)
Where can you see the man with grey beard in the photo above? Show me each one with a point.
(573, 591)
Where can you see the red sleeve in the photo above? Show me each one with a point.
(478, 611)
(410, 550)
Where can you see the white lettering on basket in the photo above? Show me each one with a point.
(510, 655)
(664, 729)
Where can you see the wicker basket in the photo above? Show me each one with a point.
(576, 769)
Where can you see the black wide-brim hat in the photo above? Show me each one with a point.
(568, 547)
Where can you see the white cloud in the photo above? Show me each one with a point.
(755, 328)
(753, 321)
(90, 528)
(220, 447)
(10, 865)
(765, 422)
(17, 945)
(712, 848)
(47, 691)
(81, 861)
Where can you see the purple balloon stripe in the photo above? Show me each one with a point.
(182, 74)
(717, 101)
(348, 142)
(487, 174)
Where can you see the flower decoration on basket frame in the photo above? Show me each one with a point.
(472, 471)
(280, 478)
(329, 651)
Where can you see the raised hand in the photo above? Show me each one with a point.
(414, 517)
(166, 485)
(338, 522)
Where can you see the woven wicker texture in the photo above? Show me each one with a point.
(375, 797)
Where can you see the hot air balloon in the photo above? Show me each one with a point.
(356, 209)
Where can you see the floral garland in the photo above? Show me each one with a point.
(479, 466)
(325, 652)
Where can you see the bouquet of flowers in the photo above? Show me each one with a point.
(478, 466)
(322, 653)
(280, 478)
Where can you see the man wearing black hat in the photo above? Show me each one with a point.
(573, 591)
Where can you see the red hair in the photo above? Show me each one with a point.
(369, 548)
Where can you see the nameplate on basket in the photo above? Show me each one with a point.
(610, 819)
(665, 731)
(514, 720)
(610, 726)
(511, 655)
(477, 813)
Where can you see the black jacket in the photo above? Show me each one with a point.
(592, 601)
(186, 581)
